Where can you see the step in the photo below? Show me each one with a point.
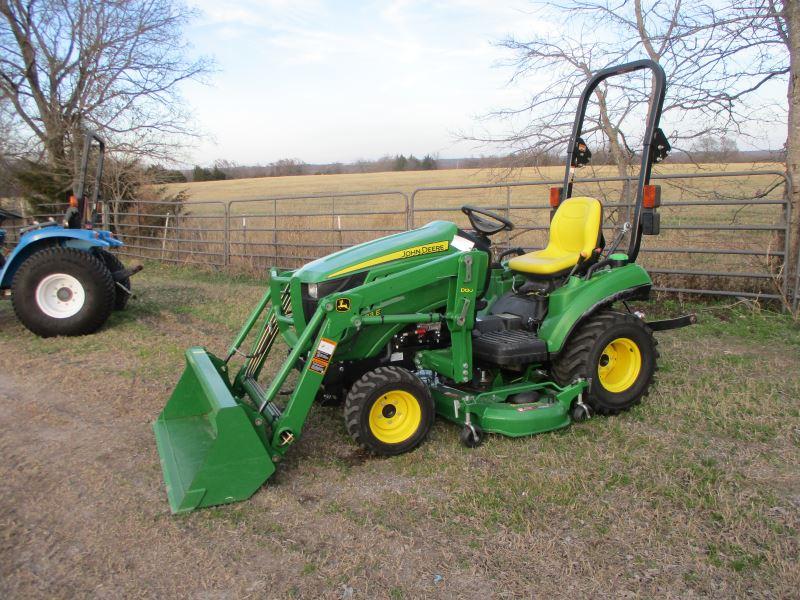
(509, 348)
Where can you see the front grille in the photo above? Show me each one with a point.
(328, 287)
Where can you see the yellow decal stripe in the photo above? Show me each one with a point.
(412, 252)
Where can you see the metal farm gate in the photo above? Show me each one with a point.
(722, 233)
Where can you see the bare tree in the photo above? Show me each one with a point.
(714, 149)
(787, 23)
(111, 65)
(717, 55)
(704, 94)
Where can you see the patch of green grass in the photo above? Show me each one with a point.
(396, 593)
(746, 322)
(159, 272)
(733, 557)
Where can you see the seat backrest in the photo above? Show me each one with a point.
(576, 225)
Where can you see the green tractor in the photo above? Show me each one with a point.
(427, 322)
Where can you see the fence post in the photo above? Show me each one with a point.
(787, 246)
(508, 215)
(336, 223)
(244, 234)
(275, 229)
(410, 210)
(226, 247)
(164, 237)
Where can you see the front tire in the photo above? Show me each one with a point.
(617, 353)
(62, 291)
(389, 411)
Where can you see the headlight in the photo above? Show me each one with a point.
(312, 292)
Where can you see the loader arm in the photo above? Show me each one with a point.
(219, 439)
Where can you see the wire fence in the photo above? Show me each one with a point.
(722, 234)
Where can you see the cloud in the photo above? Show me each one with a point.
(339, 72)
(270, 14)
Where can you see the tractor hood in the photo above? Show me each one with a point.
(435, 238)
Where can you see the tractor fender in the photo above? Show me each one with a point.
(574, 302)
(33, 241)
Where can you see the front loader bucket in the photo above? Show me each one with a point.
(210, 451)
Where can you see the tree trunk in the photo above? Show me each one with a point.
(792, 16)
(618, 156)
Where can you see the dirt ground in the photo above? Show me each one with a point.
(694, 493)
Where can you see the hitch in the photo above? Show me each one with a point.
(675, 323)
(123, 274)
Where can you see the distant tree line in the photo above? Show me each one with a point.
(203, 174)
(412, 163)
(226, 169)
(707, 149)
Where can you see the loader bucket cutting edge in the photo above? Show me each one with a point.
(210, 452)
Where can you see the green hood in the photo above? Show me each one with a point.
(433, 239)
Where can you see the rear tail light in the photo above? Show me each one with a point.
(652, 196)
(555, 196)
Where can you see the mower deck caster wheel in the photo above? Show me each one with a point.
(471, 436)
(580, 412)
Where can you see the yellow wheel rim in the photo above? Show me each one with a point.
(619, 365)
(395, 417)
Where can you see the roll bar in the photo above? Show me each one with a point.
(653, 117)
(89, 137)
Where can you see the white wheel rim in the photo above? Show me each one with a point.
(60, 296)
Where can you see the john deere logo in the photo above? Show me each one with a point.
(426, 249)
(343, 304)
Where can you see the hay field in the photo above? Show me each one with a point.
(407, 181)
(265, 231)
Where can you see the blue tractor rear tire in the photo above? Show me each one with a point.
(114, 264)
(62, 291)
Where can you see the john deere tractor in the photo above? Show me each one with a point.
(426, 323)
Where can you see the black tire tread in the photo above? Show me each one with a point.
(114, 264)
(572, 363)
(26, 310)
(362, 390)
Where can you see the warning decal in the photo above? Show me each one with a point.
(322, 357)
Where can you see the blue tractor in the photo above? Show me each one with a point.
(61, 277)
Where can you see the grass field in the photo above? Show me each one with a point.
(694, 493)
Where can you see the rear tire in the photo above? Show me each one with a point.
(113, 264)
(617, 353)
(62, 291)
(389, 411)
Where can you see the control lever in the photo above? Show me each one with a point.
(509, 252)
(581, 259)
(626, 227)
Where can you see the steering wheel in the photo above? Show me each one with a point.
(485, 226)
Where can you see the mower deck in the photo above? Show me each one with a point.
(539, 407)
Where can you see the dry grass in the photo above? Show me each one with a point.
(694, 493)
(251, 189)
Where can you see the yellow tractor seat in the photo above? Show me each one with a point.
(575, 229)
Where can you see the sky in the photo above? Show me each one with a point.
(342, 80)
(327, 81)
